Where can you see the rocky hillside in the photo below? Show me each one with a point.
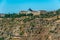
(27, 28)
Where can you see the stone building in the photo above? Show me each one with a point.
(23, 12)
(28, 12)
(2, 15)
(43, 11)
(34, 12)
(54, 12)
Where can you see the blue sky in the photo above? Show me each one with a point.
(18, 5)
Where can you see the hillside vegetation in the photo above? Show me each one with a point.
(30, 27)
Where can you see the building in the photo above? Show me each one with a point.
(28, 12)
(23, 12)
(35, 12)
(54, 12)
(43, 11)
(2, 15)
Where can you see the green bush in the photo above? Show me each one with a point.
(21, 33)
(26, 19)
(30, 14)
(2, 38)
(32, 24)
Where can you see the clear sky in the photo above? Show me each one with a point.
(18, 5)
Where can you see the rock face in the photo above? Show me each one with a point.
(36, 29)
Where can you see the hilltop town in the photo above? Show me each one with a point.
(30, 11)
(30, 25)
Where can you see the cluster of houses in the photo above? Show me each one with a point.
(34, 12)
(30, 11)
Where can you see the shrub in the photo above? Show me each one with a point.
(30, 14)
(2, 38)
(21, 33)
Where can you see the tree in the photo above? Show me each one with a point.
(58, 13)
(30, 9)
